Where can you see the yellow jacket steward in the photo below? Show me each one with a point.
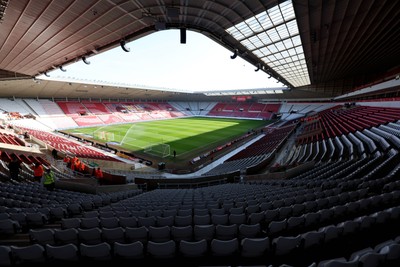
(48, 178)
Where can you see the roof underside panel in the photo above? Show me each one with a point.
(310, 45)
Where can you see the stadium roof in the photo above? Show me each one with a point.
(325, 47)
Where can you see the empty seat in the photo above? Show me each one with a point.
(392, 254)
(90, 236)
(252, 208)
(371, 259)
(249, 230)
(74, 209)
(159, 234)
(87, 205)
(161, 249)
(184, 220)
(165, 221)
(295, 223)
(91, 214)
(179, 233)
(271, 215)
(284, 245)
(100, 251)
(58, 213)
(28, 254)
(255, 247)
(237, 218)
(66, 236)
(226, 232)
(224, 247)
(106, 214)
(112, 235)
(70, 223)
(137, 234)
(122, 213)
(128, 222)
(9, 226)
(312, 239)
(204, 232)
(67, 252)
(217, 211)
(311, 219)
(201, 219)
(275, 228)
(154, 213)
(184, 212)
(170, 212)
(237, 210)
(87, 223)
(5, 256)
(200, 212)
(42, 236)
(134, 250)
(193, 248)
(256, 217)
(220, 219)
(36, 219)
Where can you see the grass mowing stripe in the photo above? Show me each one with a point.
(184, 134)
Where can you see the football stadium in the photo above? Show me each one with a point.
(305, 173)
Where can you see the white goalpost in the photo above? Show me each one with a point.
(159, 150)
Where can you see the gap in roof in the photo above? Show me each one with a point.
(160, 61)
(273, 36)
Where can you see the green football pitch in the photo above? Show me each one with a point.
(187, 136)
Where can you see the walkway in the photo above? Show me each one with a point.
(212, 164)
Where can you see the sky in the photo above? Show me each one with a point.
(160, 60)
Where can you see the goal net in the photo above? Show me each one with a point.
(103, 135)
(159, 150)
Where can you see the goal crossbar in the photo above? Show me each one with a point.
(160, 150)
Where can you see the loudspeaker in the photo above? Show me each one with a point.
(183, 36)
